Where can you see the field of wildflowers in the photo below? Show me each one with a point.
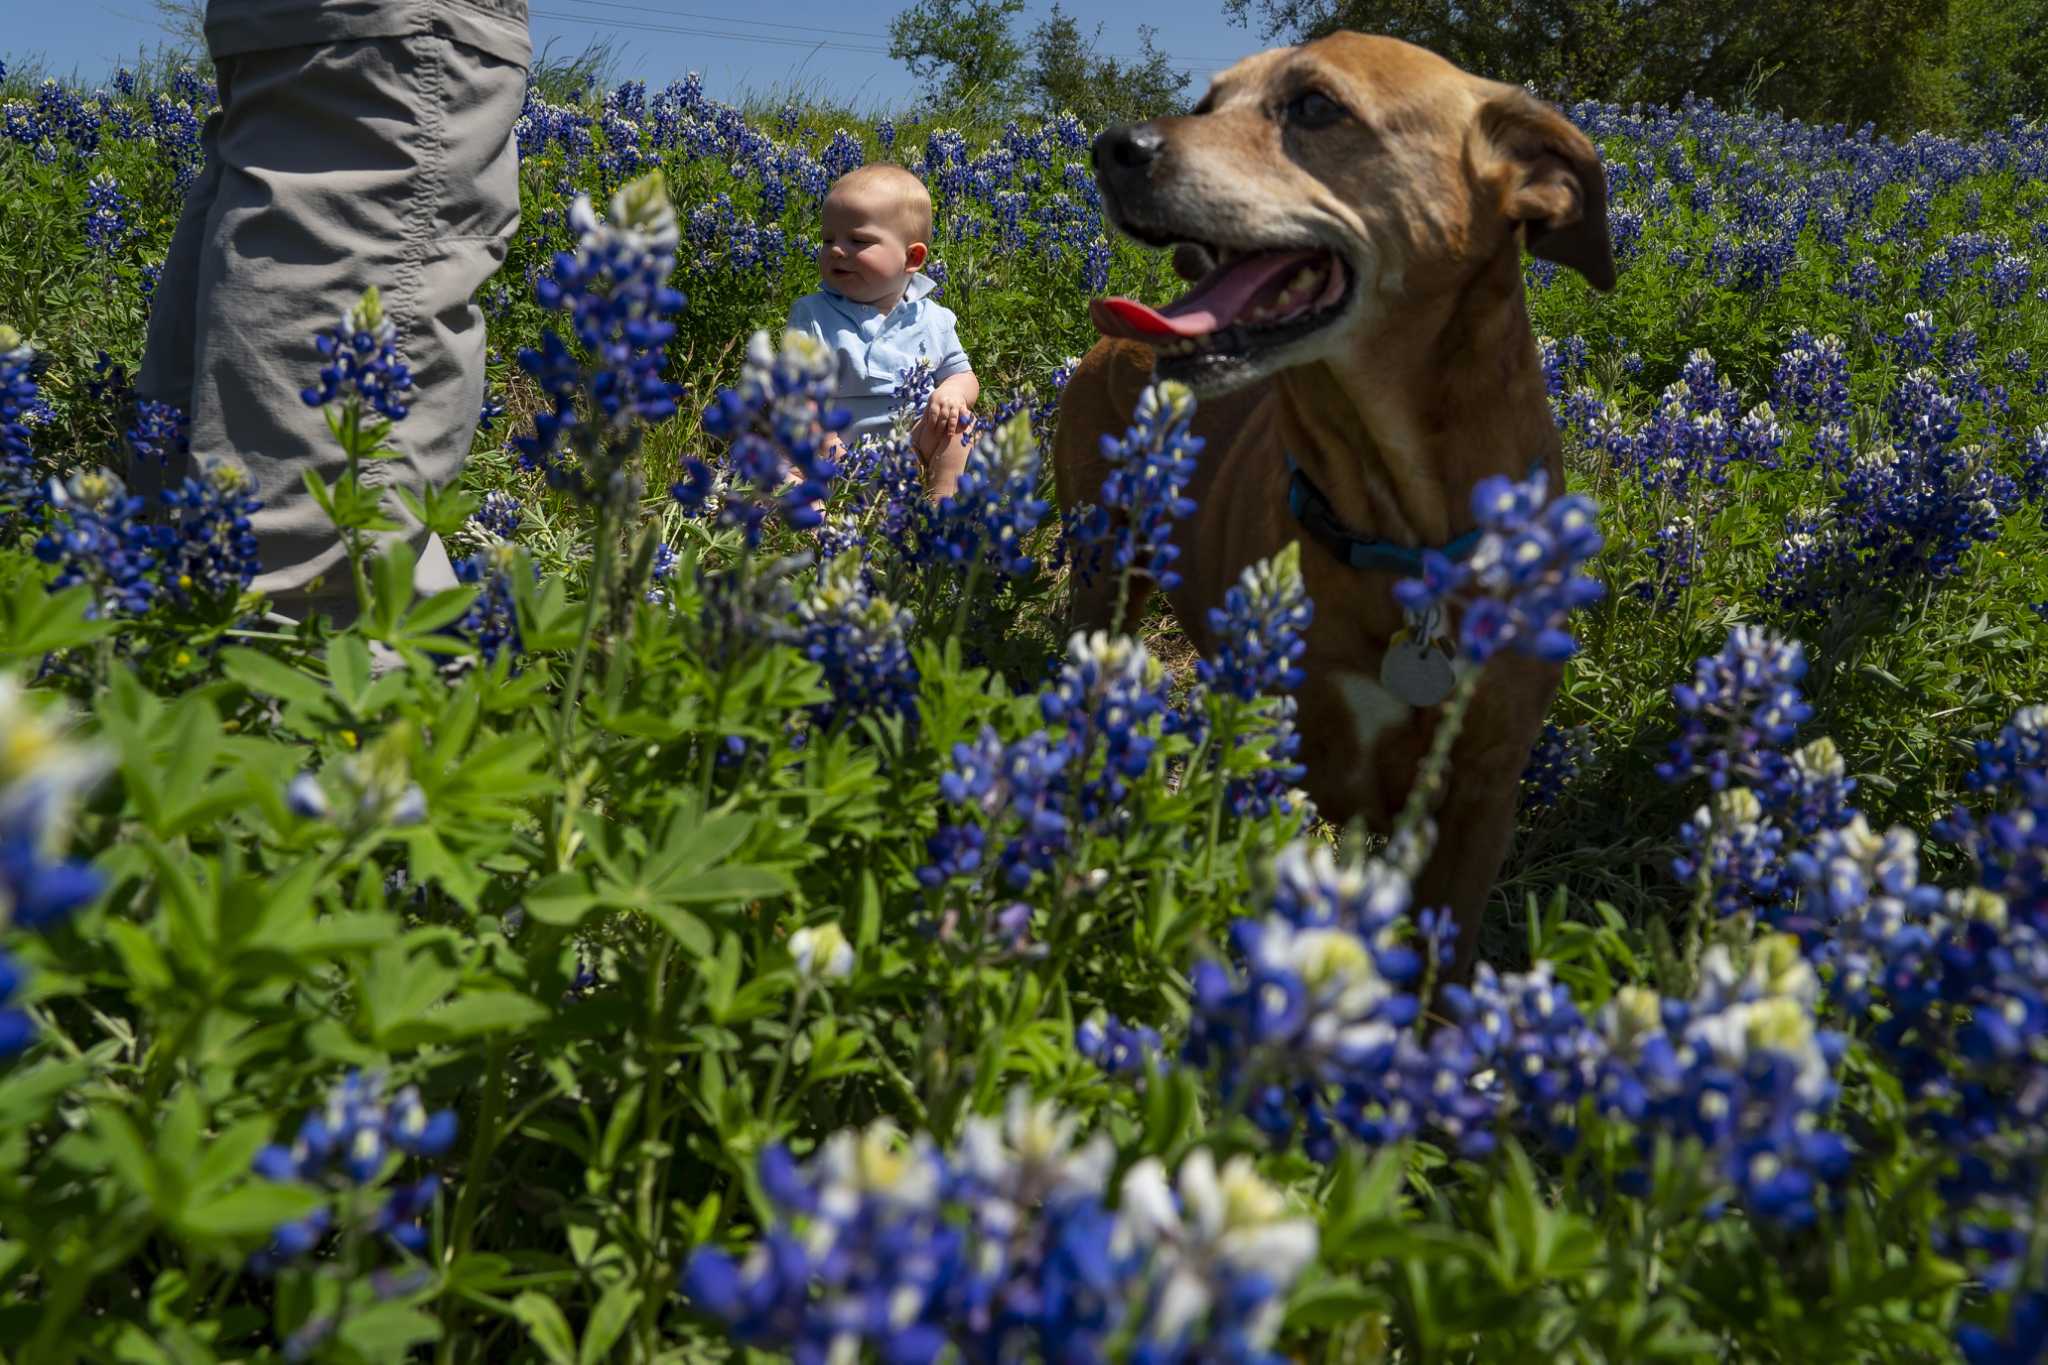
(748, 923)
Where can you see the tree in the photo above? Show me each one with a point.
(1998, 60)
(1846, 60)
(1068, 74)
(962, 50)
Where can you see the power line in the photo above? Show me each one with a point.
(771, 39)
(728, 19)
(641, 25)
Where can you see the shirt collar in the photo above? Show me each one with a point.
(920, 285)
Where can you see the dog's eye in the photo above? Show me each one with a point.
(1313, 109)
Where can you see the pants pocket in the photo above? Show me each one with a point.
(480, 168)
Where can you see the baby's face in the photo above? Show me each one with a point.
(865, 255)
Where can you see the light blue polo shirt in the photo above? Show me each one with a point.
(873, 347)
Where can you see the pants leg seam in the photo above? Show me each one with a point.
(426, 197)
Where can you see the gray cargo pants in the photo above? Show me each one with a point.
(340, 159)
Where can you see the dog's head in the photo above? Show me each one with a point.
(1318, 190)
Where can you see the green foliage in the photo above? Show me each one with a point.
(1849, 61)
(964, 52)
(585, 945)
(1068, 75)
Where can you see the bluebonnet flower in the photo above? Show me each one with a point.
(346, 1144)
(1149, 469)
(43, 774)
(1110, 693)
(1259, 630)
(1521, 582)
(1020, 790)
(1120, 1049)
(1553, 763)
(1913, 508)
(1561, 361)
(161, 433)
(207, 549)
(492, 621)
(17, 1027)
(661, 567)
(1915, 341)
(842, 154)
(821, 953)
(955, 851)
(859, 641)
(775, 424)
(107, 229)
(2023, 1342)
(1741, 709)
(1044, 1270)
(1221, 1255)
(1744, 1070)
(362, 362)
(1258, 637)
(614, 289)
(1759, 438)
(498, 515)
(1963, 978)
(20, 489)
(306, 798)
(2009, 281)
(1095, 258)
(744, 609)
(1812, 790)
(1829, 448)
(1736, 849)
(1861, 281)
(996, 506)
(99, 539)
(1003, 1250)
(1674, 555)
(1529, 1030)
(1860, 891)
(1311, 1012)
(871, 1268)
(1306, 1036)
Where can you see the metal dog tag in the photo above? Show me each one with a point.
(1414, 669)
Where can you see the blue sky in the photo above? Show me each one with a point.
(739, 49)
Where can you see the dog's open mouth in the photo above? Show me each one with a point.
(1250, 302)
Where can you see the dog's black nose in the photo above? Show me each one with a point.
(1131, 147)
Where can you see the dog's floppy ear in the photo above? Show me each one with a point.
(1547, 176)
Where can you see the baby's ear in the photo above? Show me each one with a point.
(916, 256)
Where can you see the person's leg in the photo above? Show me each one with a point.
(382, 161)
(944, 455)
(165, 374)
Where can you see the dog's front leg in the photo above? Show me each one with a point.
(1475, 824)
(1476, 817)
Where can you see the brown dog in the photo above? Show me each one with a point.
(1368, 203)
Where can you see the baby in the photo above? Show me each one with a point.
(875, 314)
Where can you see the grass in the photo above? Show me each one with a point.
(1903, 682)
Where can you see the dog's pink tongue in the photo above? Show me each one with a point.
(1210, 306)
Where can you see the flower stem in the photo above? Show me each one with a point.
(966, 596)
(1436, 764)
(646, 1208)
(775, 1078)
(1224, 729)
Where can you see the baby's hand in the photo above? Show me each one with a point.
(946, 412)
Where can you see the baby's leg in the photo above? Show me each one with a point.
(943, 454)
